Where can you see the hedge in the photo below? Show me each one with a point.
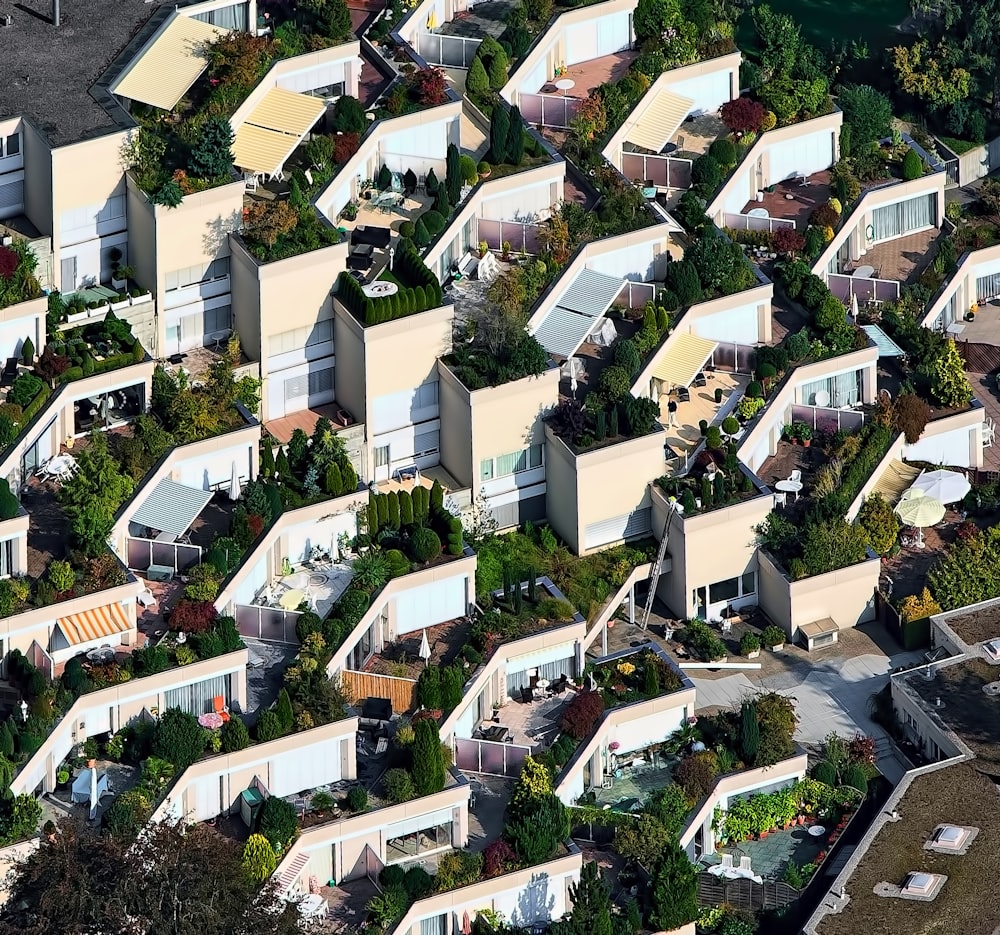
(419, 292)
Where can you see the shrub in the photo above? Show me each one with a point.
(754, 390)
(855, 776)
(477, 83)
(433, 221)
(357, 799)
(743, 115)
(178, 738)
(824, 771)
(696, 773)
(723, 151)
(913, 165)
(713, 438)
(749, 643)
(425, 544)
(498, 858)
(535, 835)
(730, 425)
(234, 735)
(706, 171)
(674, 890)
(278, 822)
(581, 714)
(627, 357)
(949, 384)
(399, 786)
(258, 858)
(418, 883)
(192, 616)
(910, 416)
(773, 636)
(880, 523)
(917, 608)
(268, 726)
(428, 761)
(614, 382)
(127, 814)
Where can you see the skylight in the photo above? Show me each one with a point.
(919, 884)
(950, 836)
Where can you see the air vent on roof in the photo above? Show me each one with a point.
(6, 20)
(919, 884)
(951, 839)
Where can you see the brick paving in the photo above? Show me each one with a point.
(793, 201)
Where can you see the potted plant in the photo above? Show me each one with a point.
(718, 395)
(121, 276)
(350, 211)
(750, 645)
(137, 296)
(804, 433)
(115, 256)
(773, 638)
(483, 169)
(484, 248)
(62, 776)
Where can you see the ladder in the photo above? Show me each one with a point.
(660, 555)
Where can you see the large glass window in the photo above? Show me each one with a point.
(308, 336)
(103, 410)
(406, 846)
(198, 698)
(228, 17)
(6, 558)
(195, 275)
(10, 145)
(905, 216)
(842, 389)
(513, 462)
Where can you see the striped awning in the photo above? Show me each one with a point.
(266, 139)
(896, 478)
(683, 358)
(660, 121)
(886, 346)
(165, 70)
(94, 624)
(171, 507)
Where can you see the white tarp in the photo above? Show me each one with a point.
(604, 334)
(82, 786)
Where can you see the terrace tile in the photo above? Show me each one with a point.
(902, 260)
(536, 724)
(793, 201)
(685, 437)
(593, 73)
(770, 857)
(694, 136)
(402, 658)
(305, 419)
(630, 790)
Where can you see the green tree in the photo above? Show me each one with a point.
(591, 898)
(499, 132)
(212, 153)
(258, 858)
(949, 384)
(234, 735)
(880, 523)
(642, 840)
(534, 782)
(653, 18)
(868, 113)
(453, 175)
(428, 762)
(913, 165)
(749, 732)
(934, 74)
(535, 834)
(93, 495)
(349, 115)
(675, 890)
(477, 84)
(278, 822)
(178, 738)
(283, 708)
(515, 138)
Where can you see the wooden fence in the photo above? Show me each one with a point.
(745, 893)
(402, 693)
(979, 358)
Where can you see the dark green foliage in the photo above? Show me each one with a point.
(420, 235)
(477, 84)
(913, 165)
(824, 771)
(268, 726)
(333, 483)
(855, 776)
(267, 465)
(723, 151)
(278, 822)
(535, 833)
(357, 799)
(428, 761)
(591, 899)
(749, 732)
(9, 504)
(178, 738)
(436, 496)
(443, 202)
(283, 708)
(234, 735)
(421, 504)
(452, 681)
(675, 890)
(349, 115)
(613, 422)
(499, 133)
(405, 508)
(682, 279)
(453, 177)
(28, 352)
(425, 544)
(429, 689)
(431, 183)
(515, 138)
(211, 155)
(706, 172)
(384, 180)
(393, 509)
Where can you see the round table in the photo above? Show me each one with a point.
(59, 465)
(789, 486)
(565, 84)
(864, 272)
(668, 149)
(290, 600)
(758, 213)
(311, 905)
(817, 831)
(380, 288)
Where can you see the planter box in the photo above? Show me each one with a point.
(139, 299)
(78, 316)
(754, 654)
(97, 312)
(119, 284)
(117, 306)
(777, 647)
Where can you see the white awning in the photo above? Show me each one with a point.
(275, 127)
(171, 507)
(577, 311)
(683, 358)
(660, 121)
(164, 71)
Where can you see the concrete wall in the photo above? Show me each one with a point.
(845, 595)
(961, 287)
(975, 163)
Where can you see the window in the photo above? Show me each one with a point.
(428, 443)
(514, 462)
(197, 699)
(321, 381)
(194, 275)
(842, 389)
(329, 90)
(10, 145)
(381, 456)
(6, 558)
(895, 220)
(308, 336)
(724, 590)
(749, 583)
(218, 319)
(404, 846)
(113, 208)
(426, 395)
(435, 925)
(228, 17)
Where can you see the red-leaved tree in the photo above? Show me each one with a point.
(743, 115)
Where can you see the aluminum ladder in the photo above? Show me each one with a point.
(654, 578)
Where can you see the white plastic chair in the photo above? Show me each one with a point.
(727, 861)
(795, 477)
(988, 435)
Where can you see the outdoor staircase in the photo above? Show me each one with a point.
(290, 875)
(654, 577)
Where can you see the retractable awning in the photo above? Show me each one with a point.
(896, 478)
(660, 121)
(886, 346)
(171, 507)
(577, 311)
(683, 358)
(277, 125)
(164, 72)
(94, 624)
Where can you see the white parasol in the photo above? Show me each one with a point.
(234, 484)
(425, 648)
(95, 799)
(946, 486)
(918, 509)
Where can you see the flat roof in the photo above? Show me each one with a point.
(975, 625)
(48, 71)
(954, 795)
(964, 709)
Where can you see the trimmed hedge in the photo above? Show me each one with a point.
(419, 292)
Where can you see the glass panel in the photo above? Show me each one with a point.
(724, 590)
(749, 583)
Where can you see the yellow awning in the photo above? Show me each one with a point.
(94, 624)
(274, 128)
(896, 478)
(162, 74)
(287, 112)
(660, 121)
(683, 358)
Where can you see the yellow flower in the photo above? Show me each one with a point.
(626, 668)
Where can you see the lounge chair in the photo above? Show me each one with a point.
(526, 695)
(220, 708)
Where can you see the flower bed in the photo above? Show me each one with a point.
(637, 677)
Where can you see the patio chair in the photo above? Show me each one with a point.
(779, 498)
(220, 708)
(727, 861)
(700, 379)
(526, 695)
(683, 394)
(989, 433)
(146, 598)
(795, 477)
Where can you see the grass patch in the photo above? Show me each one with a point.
(840, 20)
(958, 147)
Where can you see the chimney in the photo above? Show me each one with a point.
(55, 12)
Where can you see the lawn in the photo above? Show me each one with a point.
(823, 21)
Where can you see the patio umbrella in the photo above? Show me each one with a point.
(946, 486)
(104, 408)
(854, 306)
(918, 509)
(466, 923)
(425, 649)
(234, 484)
(94, 797)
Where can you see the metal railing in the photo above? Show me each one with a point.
(177, 555)
(450, 51)
(523, 238)
(269, 624)
(828, 420)
(549, 110)
(488, 756)
(844, 287)
(748, 222)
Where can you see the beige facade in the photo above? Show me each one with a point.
(960, 293)
(846, 596)
(110, 709)
(591, 496)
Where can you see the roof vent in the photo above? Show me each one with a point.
(6, 20)
(951, 839)
(919, 884)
